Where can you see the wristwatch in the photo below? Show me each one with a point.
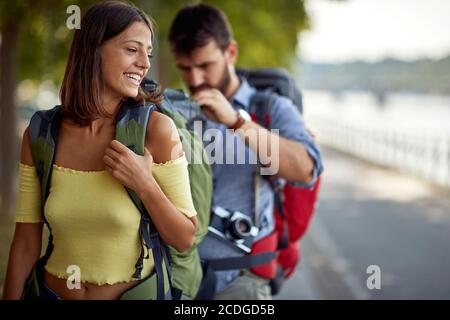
(242, 117)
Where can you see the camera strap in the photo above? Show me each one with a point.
(242, 262)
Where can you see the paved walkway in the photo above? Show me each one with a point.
(373, 216)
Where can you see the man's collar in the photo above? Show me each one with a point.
(243, 95)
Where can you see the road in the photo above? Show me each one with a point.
(368, 216)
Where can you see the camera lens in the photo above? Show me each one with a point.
(240, 227)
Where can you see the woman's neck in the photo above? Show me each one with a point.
(111, 106)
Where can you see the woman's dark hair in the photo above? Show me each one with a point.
(82, 84)
(196, 25)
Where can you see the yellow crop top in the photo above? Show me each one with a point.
(95, 225)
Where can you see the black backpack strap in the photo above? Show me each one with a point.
(158, 257)
(277, 79)
(260, 105)
(131, 127)
(44, 136)
(175, 293)
(277, 283)
(208, 285)
(207, 288)
(134, 139)
(277, 188)
(242, 262)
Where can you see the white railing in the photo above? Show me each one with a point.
(426, 155)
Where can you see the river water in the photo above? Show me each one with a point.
(407, 112)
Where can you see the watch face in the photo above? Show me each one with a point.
(244, 114)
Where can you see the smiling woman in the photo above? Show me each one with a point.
(126, 57)
(110, 60)
(98, 198)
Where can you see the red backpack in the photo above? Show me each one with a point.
(294, 206)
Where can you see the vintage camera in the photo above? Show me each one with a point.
(234, 227)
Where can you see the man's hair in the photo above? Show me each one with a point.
(83, 84)
(196, 25)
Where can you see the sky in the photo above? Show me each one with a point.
(371, 30)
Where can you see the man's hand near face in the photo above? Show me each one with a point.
(215, 106)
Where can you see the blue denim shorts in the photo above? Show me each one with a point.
(35, 286)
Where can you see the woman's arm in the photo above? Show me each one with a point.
(135, 172)
(26, 245)
(25, 251)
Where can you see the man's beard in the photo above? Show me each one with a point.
(222, 86)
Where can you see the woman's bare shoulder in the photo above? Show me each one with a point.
(163, 140)
(25, 154)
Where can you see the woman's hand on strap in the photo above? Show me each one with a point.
(130, 169)
(162, 144)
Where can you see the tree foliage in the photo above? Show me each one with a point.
(43, 40)
(266, 32)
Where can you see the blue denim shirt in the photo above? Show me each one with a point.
(239, 186)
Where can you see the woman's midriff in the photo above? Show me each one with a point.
(87, 291)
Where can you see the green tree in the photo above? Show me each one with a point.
(266, 31)
(34, 44)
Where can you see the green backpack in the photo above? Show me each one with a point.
(186, 267)
(175, 272)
